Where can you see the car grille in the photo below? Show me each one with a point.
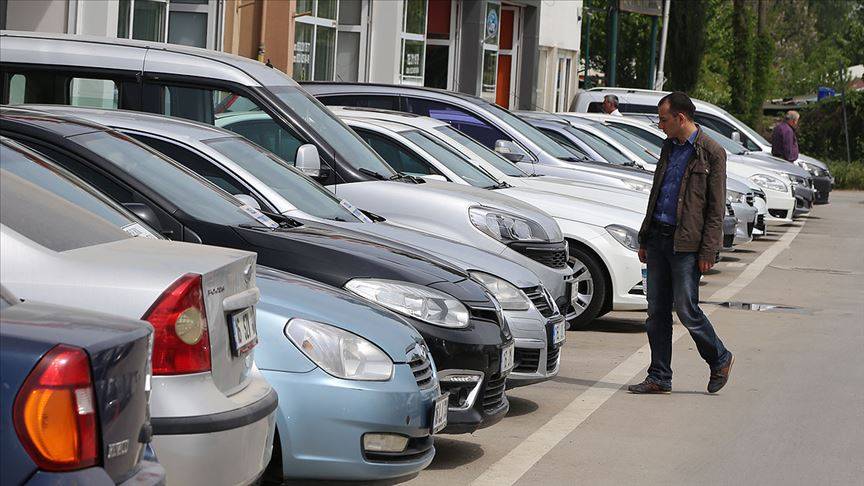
(552, 255)
(493, 395)
(527, 360)
(538, 298)
(552, 359)
(422, 369)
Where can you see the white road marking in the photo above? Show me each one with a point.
(510, 468)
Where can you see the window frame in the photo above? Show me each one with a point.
(316, 22)
(405, 36)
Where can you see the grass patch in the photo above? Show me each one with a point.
(847, 175)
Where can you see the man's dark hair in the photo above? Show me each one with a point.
(679, 102)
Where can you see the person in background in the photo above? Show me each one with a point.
(784, 141)
(610, 105)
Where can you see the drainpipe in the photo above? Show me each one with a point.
(659, 81)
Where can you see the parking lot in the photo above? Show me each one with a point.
(792, 412)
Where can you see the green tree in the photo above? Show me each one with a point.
(763, 71)
(686, 44)
(741, 61)
(713, 80)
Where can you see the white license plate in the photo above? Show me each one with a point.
(507, 358)
(559, 330)
(439, 414)
(244, 335)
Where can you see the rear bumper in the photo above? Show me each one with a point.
(149, 474)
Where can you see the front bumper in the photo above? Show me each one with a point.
(804, 197)
(625, 270)
(823, 186)
(729, 223)
(746, 222)
(781, 206)
(319, 440)
(536, 360)
(554, 279)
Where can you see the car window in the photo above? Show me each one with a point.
(536, 136)
(191, 194)
(399, 157)
(458, 118)
(483, 152)
(561, 139)
(605, 149)
(52, 210)
(451, 159)
(301, 191)
(625, 139)
(362, 101)
(727, 143)
(654, 141)
(266, 133)
(64, 88)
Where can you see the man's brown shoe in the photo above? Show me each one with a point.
(647, 387)
(720, 376)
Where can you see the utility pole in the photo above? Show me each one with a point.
(613, 43)
(652, 52)
(660, 75)
(843, 102)
(587, 14)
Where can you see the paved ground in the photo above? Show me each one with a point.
(793, 412)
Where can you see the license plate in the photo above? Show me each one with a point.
(559, 332)
(244, 335)
(507, 358)
(439, 413)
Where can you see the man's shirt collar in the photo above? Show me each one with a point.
(691, 139)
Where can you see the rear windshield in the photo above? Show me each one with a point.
(303, 193)
(451, 159)
(51, 210)
(481, 151)
(193, 195)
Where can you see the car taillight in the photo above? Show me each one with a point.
(55, 411)
(182, 344)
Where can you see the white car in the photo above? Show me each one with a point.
(602, 237)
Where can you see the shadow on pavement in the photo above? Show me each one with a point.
(745, 250)
(323, 482)
(614, 324)
(453, 453)
(585, 383)
(521, 406)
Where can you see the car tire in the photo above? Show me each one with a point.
(591, 284)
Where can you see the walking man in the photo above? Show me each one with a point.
(784, 141)
(679, 240)
(610, 105)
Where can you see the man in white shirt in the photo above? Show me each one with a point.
(610, 105)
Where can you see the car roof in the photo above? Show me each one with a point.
(334, 88)
(408, 119)
(385, 124)
(62, 125)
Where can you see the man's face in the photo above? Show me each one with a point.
(793, 123)
(670, 123)
(608, 107)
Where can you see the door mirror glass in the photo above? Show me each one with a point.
(736, 136)
(509, 150)
(308, 160)
(145, 213)
(247, 200)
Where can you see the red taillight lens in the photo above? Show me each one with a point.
(55, 411)
(181, 344)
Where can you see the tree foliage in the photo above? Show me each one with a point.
(685, 44)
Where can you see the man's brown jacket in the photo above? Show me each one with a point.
(701, 200)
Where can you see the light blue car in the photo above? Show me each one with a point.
(358, 390)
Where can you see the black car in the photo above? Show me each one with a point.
(471, 334)
(73, 409)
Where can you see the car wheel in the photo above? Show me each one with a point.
(589, 288)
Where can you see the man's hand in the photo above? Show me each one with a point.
(643, 255)
(704, 265)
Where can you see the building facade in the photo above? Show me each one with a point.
(558, 65)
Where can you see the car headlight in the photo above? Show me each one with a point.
(506, 227)
(339, 352)
(733, 196)
(508, 295)
(624, 235)
(412, 300)
(766, 181)
(642, 187)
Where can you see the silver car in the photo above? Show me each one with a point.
(274, 186)
(213, 414)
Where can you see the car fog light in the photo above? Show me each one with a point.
(384, 442)
(461, 378)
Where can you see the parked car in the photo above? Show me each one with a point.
(205, 85)
(70, 411)
(602, 237)
(384, 370)
(460, 321)
(269, 184)
(212, 411)
(639, 101)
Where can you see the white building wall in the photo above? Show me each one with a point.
(37, 15)
(560, 38)
(385, 47)
(561, 24)
(97, 18)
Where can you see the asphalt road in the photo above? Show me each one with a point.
(792, 413)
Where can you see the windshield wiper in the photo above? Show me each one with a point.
(372, 173)
(500, 185)
(255, 226)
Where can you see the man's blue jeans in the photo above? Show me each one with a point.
(674, 278)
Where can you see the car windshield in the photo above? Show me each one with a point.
(350, 147)
(192, 194)
(605, 149)
(650, 139)
(624, 139)
(481, 151)
(305, 194)
(451, 159)
(537, 137)
(52, 210)
(727, 143)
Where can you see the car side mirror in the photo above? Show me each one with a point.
(308, 160)
(435, 177)
(247, 200)
(146, 214)
(509, 150)
(736, 136)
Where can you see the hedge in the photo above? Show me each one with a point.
(821, 135)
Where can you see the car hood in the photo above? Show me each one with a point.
(285, 296)
(613, 196)
(769, 162)
(577, 209)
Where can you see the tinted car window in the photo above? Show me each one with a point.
(536, 136)
(191, 194)
(605, 149)
(51, 210)
(624, 139)
(484, 153)
(654, 141)
(451, 159)
(560, 138)
(266, 133)
(399, 157)
(457, 118)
